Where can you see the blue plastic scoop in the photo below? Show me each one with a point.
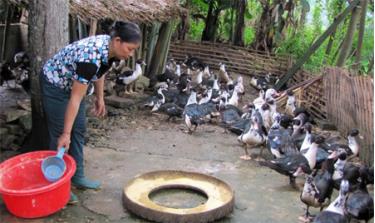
(53, 167)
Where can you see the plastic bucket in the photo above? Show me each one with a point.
(26, 192)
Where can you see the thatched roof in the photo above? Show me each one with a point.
(143, 11)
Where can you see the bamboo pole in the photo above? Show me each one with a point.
(160, 48)
(151, 45)
(9, 14)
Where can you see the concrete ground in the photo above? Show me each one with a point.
(137, 142)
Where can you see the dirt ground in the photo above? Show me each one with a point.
(133, 141)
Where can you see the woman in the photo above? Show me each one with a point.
(65, 79)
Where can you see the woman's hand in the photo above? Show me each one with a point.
(64, 141)
(99, 110)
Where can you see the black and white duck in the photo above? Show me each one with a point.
(262, 82)
(194, 62)
(269, 94)
(191, 114)
(234, 99)
(235, 124)
(128, 77)
(360, 205)
(279, 141)
(207, 97)
(195, 114)
(266, 115)
(154, 99)
(256, 135)
(321, 154)
(352, 149)
(335, 212)
(346, 170)
(318, 188)
(171, 109)
(289, 165)
(291, 103)
(170, 75)
(224, 77)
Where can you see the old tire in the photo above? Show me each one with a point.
(219, 203)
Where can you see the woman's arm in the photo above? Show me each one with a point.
(99, 92)
(76, 95)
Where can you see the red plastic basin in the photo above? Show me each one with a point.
(25, 191)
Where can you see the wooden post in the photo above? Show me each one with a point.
(160, 49)
(144, 42)
(9, 14)
(82, 30)
(93, 27)
(315, 45)
(73, 28)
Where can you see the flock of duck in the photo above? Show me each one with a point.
(199, 96)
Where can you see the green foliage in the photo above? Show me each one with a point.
(196, 29)
(317, 14)
(249, 35)
(296, 39)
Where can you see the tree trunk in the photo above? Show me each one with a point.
(361, 32)
(261, 43)
(240, 22)
(184, 25)
(160, 51)
(329, 45)
(48, 32)
(370, 69)
(348, 41)
(211, 22)
(315, 45)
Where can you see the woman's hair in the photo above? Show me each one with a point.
(127, 31)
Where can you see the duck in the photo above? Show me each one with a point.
(347, 170)
(6, 74)
(238, 125)
(321, 154)
(288, 165)
(262, 82)
(269, 95)
(207, 98)
(171, 109)
(291, 104)
(223, 74)
(279, 141)
(335, 212)
(352, 149)
(266, 115)
(318, 188)
(360, 205)
(234, 99)
(254, 136)
(127, 78)
(259, 83)
(241, 87)
(191, 114)
(154, 99)
(193, 62)
(206, 72)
